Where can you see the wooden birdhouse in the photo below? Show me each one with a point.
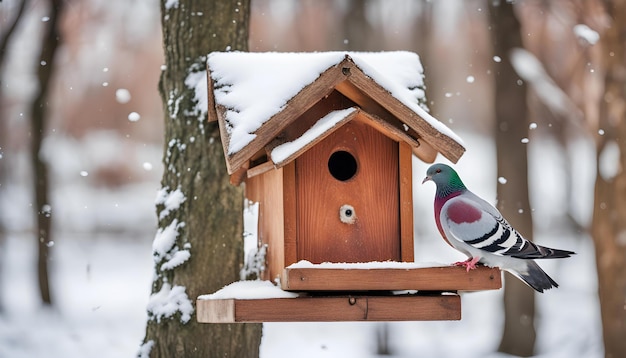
(324, 143)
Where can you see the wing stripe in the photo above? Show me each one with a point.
(484, 237)
(519, 244)
(495, 246)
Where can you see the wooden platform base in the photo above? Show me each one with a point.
(331, 309)
(445, 278)
(354, 292)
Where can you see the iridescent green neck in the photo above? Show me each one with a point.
(453, 186)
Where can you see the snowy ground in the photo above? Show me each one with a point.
(102, 282)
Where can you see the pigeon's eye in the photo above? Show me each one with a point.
(437, 170)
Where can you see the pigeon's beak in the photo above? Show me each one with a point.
(428, 178)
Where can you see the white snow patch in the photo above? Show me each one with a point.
(171, 4)
(165, 238)
(470, 79)
(145, 349)
(250, 228)
(255, 86)
(586, 34)
(197, 82)
(173, 103)
(502, 180)
(169, 301)
(254, 255)
(283, 151)
(249, 290)
(178, 258)
(366, 265)
(171, 200)
(122, 95)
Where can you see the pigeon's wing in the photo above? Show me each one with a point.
(467, 221)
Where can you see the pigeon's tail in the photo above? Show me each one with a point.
(550, 253)
(534, 251)
(536, 278)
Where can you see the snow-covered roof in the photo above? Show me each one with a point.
(255, 96)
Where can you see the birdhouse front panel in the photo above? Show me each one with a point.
(348, 197)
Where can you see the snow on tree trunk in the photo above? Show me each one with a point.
(609, 214)
(198, 247)
(511, 131)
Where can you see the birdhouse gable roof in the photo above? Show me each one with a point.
(255, 96)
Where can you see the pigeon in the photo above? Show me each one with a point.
(477, 229)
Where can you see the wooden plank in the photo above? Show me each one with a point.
(331, 309)
(225, 139)
(406, 202)
(215, 311)
(371, 107)
(259, 169)
(426, 152)
(290, 253)
(414, 308)
(267, 190)
(237, 177)
(447, 278)
(364, 101)
(442, 143)
(388, 129)
(211, 112)
(294, 108)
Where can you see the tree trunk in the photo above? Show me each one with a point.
(609, 214)
(518, 337)
(4, 43)
(39, 112)
(206, 224)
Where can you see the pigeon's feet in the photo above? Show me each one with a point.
(469, 264)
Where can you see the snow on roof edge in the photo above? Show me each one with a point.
(280, 153)
(239, 78)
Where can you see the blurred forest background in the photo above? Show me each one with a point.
(101, 130)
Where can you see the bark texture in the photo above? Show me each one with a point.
(208, 223)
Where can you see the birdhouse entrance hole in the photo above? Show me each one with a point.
(342, 165)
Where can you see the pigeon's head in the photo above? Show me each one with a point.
(446, 179)
(439, 173)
